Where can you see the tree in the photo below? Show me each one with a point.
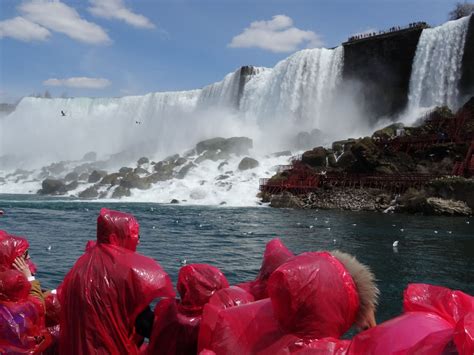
(461, 9)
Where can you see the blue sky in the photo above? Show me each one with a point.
(122, 47)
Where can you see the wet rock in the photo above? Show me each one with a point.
(171, 158)
(180, 161)
(52, 187)
(234, 145)
(222, 177)
(367, 155)
(442, 207)
(285, 200)
(315, 158)
(140, 171)
(83, 177)
(111, 179)
(143, 160)
(90, 156)
(71, 176)
(455, 188)
(72, 186)
(133, 181)
(164, 170)
(184, 170)
(96, 175)
(121, 191)
(125, 170)
(390, 131)
(89, 193)
(221, 165)
(56, 168)
(247, 163)
(174, 201)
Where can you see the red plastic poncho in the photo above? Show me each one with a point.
(276, 253)
(312, 296)
(437, 320)
(226, 298)
(22, 328)
(107, 288)
(176, 325)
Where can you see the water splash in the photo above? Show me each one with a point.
(436, 69)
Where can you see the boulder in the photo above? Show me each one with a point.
(221, 165)
(233, 145)
(125, 170)
(285, 200)
(390, 131)
(455, 188)
(96, 175)
(89, 193)
(120, 192)
(72, 186)
(71, 176)
(140, 170)
(111, 179)
(248, 163)
(442, 207)
(184, 170)
(90, 156)
(83, 177)
(180, 161)
(174, 201)
(133, 181)
(367, 155)
(143, 160)
(52, 187)
(315, 158)
(56, 168)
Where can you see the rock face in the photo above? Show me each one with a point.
(143, 160)
(96, 175)
(315, 158)
(91, 156)
(247, 163)
(466, 84)
(89, 193)
(381, 68)
(71, 176)
(120, 192)
(439, 206)
(285, 200)
(455, 188)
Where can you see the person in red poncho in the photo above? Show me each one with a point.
(177, 323)
(107, 288)
(22, 326)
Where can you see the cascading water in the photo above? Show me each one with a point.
(244, 103)
(436, 69)
(300, 87)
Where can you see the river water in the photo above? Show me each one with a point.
(437, 250)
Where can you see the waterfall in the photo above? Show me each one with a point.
(296, 90)
(300, 87)
(436, 69)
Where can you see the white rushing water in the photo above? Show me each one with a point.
(436, 69)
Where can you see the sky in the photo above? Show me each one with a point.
(110, 48)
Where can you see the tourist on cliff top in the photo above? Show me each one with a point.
(107, 289)
(22, 326)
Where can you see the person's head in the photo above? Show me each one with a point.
(12, 247)
(118, 228)
(197, 283)
(315, 295)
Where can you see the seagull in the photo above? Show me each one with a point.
(49, 247)
(401, 229)
(450, 232)
(436, 232)
(326, 221)
(394, 225)
(200, 226)
(153, 227)
(354, 224)
(311, 227)
(395, 244)
(152, 209)
(328, 228)
(467, 222)
(334, 241)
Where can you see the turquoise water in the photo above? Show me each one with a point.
(233, 239)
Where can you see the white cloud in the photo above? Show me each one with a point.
(115, 9)
(57, 16)
(276, 35)
(79, 82)
(23, 30)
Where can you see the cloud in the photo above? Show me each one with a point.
(58, 17)
(79, 82)
(276, 35)
(23, 30)
(115, 9)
